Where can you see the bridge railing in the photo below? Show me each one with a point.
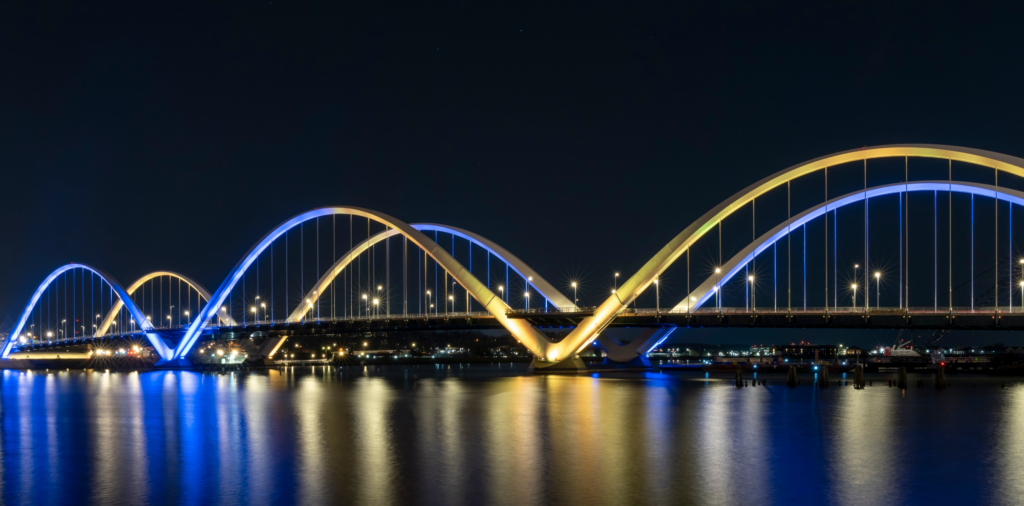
(552, 310)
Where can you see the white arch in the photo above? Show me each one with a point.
(532, 338)
(539, 283)
(161, 348)
(706, 290)
(590, 327)
(525, 271)
(203, 292)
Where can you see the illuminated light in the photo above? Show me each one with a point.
(220, 352)
(717, 270)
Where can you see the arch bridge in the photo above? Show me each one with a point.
(848, 257)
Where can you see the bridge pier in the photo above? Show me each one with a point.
(571, 364)
(632, 355)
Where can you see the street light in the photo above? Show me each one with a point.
(1022, 294)
(501, 288)
(366, 305)
(753, 304)
(428, 302)
(527, 300)
(657, 297)
(878, 290)
(616, 282)
(451, 300)
(855, 267)
(854, 287)
(718, 288)
(575, 298)
(376, 307)
(188, 320)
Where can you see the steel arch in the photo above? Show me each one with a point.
(539, 283)
(590, 327)
(161, 348)
(706, 290)
(109, 319)
(532, 338)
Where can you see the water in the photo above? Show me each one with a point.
(489, 435)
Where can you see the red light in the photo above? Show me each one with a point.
(943, 364)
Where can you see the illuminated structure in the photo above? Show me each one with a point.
(591, 322)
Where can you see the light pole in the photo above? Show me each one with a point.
(451, 300)
(255, 315)
(753, 301)
(855, 267)
(528, 280)
(168, 321)
(429, 305)
(575, 298)
(657, 297)
(376, 307)
(501, 289)
(854, 287)
(616, 283)
(878, 290)
(188, 319)
(1022, 294)
(718, 288)
(366, 306)
(266, 316)
(170, 311)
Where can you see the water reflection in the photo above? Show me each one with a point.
(479, 435)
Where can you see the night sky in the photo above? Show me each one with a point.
(581, 137)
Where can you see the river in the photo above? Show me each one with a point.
(489, 434)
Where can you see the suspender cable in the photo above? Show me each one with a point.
(826, 240)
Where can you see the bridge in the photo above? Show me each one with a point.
(847, 258)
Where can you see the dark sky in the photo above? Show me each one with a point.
(582, 137)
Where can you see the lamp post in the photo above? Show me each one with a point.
(451, 300)
(366, 306)
(266, 317)
(501, 289)
(188, 319)
(575, 298)
(527, 300)
(657, 297)
(429, 305)
(855, 267)
(878, 290)
(718, 288)
(1022, 294)
(376, 307)
(854, 287)
(753, 301)
(255, 315)
(616, 283)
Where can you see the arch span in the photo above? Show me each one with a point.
(735, 264)
(532, 338)
(539, 283)
(590, 327)
(158, 344)
(203, 292)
